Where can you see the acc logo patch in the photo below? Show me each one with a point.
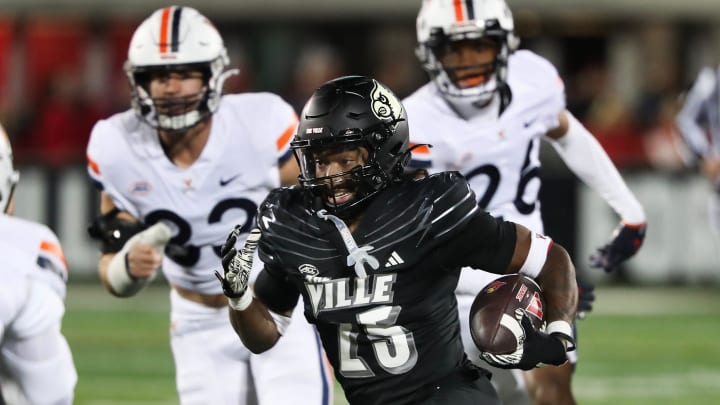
(142, 187)
(494, 286)
(308, 270)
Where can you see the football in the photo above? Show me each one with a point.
(493, 324)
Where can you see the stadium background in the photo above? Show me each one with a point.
(625, 66)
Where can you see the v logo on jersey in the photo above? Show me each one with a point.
(394, 259)
(225, 182)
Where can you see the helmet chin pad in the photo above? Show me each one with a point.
(181, 122)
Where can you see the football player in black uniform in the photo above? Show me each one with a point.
(376, 256)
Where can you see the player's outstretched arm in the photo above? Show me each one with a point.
(536, 256)
(588, 160)
(250, 318)
(132, 253)
(693, 111)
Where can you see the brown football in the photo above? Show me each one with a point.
(500, 299)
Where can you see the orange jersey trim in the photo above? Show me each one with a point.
(53, 249)
(633, 226)
(285, 137)
(93, 166)
(420, 150)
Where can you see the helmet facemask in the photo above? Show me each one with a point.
(490, 76)
(363, 180)
(177, 113)
(440, 24)
(350, 114)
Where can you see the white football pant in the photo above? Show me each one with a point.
(213, 366)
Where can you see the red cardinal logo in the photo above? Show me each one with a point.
(535, 306)
(494, 286)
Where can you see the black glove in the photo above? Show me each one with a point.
(586, 297)
(237, 266)
(626, 240)
(535, 349)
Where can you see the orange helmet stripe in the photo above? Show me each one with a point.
(164, 23)
(458, 10)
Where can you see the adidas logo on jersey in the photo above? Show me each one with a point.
(394, 259)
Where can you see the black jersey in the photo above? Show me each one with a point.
(391, 334)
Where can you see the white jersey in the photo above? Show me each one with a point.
(249, 136)
(699, 119)
(35, 360)
(16, 263)
(42, 245)
(498, 155)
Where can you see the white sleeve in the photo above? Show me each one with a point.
(589, 161)
(688, 117)
(101, 155)
(283, 126)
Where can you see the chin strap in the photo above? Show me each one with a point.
(505, 95)
(214, 102)
(357, 256)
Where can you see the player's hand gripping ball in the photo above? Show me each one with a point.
(493, 324)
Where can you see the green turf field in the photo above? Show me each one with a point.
(640, 346)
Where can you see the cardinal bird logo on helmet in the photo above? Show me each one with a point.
(385, 105)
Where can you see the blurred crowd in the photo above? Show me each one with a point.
(60, 75)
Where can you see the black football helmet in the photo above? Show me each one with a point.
(348, 113)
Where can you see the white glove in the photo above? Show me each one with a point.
(118, 275)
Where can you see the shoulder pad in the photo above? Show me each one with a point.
(425, 210)
(291, 232)
(453, 204)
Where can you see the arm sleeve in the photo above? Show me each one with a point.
(51, 255)
(537, 82)
(688, 119)
(589, 161)
(484, 243)
(101, 155)
(276, 291)
(283, 127)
